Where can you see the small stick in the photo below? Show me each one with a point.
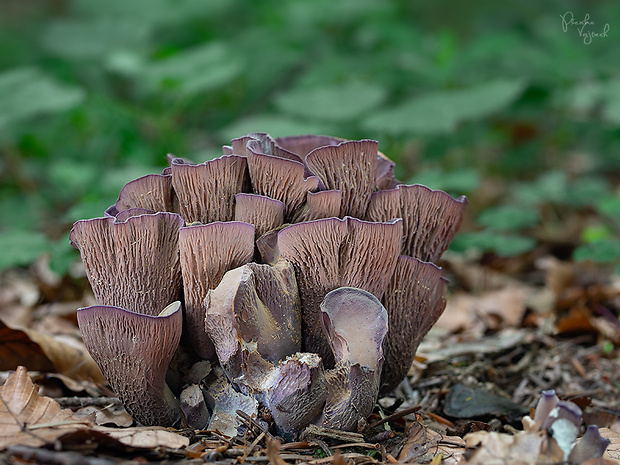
(79, 402)
(396, 415)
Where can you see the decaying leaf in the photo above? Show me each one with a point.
(17, 348)
(424, 444)
(489, 310)
(42, 352)
(26, 418)
(29, 419)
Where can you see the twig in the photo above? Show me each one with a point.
(55, 457)
(396, 415)
(252, 446)
(249, 422)
(79, 402)
(313, 430)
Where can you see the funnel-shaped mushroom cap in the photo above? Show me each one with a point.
(133, 352)
(350, 167)
(356, 324)
(207, 252)
(268, 146)
(415, 299)
(591, 445)
(547, 402)
(331, 253)
(206, 192)
(254, 304)
(430, 218)
(303, 145)
(152, 192)
(132, 264)
(563, 423)
(296, 392)
(321, 204)
(385, 172)
(264, 213)
(282, 179)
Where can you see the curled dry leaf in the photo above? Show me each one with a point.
(26, 418)
(38, 351)
(29, 419)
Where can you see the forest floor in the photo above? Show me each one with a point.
(512, 329)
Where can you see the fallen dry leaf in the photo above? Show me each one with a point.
(273, 452)
(18, 349)
(26, 418)
(423, 445)
(40, 352)
(490, 310)
(29, 419)
(613, 449)
(67, 359)
(145, 437)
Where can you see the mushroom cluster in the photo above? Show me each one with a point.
(297, 268)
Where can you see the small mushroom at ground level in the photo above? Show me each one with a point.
(431, 218)
(131, 264)
(207, 252)
(415, 299)
(331, 253)
(591, 445)
(133, 352)
(356, 324)
(263, 212)
(206, 192)
(350, 167)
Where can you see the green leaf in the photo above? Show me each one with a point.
(441, 111)
(609, 206)
(91, 39)
(503, 245)
(157, 12)
(340, 102)
(549, 187)
(87, 210)
(509, 218)
(595, 233)
(585, 191)
(196, 70)
(21, 247)
(28, 92)
(454, 182)
(601, 251)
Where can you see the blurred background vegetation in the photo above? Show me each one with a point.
(496, 101)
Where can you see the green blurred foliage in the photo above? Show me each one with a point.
(95, 93)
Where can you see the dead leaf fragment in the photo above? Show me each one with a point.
(41, 352)
(18, 349)
(145, 437)
(26, 418)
